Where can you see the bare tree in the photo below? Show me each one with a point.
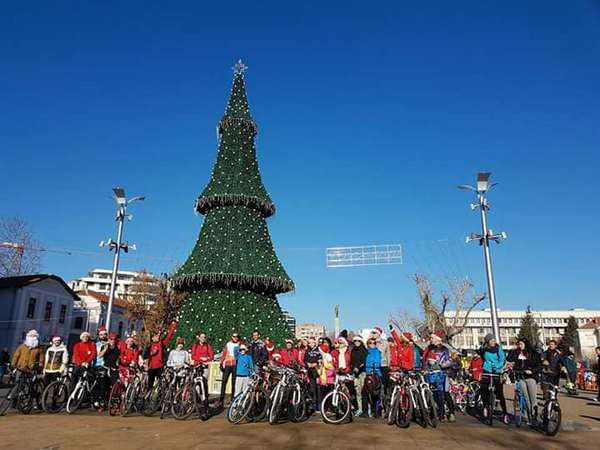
(19, 251)
(407, 321)
(457, 297)
(153, 302)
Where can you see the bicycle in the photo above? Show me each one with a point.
(134, 393)
(154, 397)
(280, 395)
(521, 407)
(56, 394)
(252, 403)
(551, 414)
(87, 385)
(490, 407)
(336, 406)
(192, 396)
(428, 404)
(398, 403)
(459, 393)
(474, 402)
(168, 400)
(25, 394)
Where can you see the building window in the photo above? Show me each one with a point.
(63, 314)
(78, 325)
(48, 312)
(120, 327)
(31, 308)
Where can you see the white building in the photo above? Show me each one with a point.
(290, 321)
(98, 280)
(307, 330)
(589, 337)
(552, 325)
(43, 302)
(90, 312)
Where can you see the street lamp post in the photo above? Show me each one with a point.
(122, 203)
(483, 186)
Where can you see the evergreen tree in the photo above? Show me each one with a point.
(529, 331)
(569, 338)
(233, 275)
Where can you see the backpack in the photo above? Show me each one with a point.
(372, 383)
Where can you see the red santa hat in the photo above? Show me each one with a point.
(101, 329)
(342, 340)
(113, 336)
(276, 356)
(289, 341)
(438, 335)
(378, 330)
(408, 335)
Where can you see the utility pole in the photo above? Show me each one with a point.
(336, 323)
(122, 203)
(483, 186)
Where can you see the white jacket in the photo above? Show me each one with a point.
(57, 359)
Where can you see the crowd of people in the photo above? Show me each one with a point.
(369, 360)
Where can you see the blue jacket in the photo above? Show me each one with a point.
(373, 360)
(493, 361)
(417, 351)
(244, 365)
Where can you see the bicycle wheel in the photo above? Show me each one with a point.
(297, 408)
(115, 399)
(552, 418)
(491, 406)
(404, 411)
(276, 406)
(517, 411)
(9, 400)
(183, 403)
(153, 400)
(75, 398)
(237, 409)
(55, 396)
(432, 412)
(260, 404)
(335, 408)
(419, 410)
(129, 399)
(392, 409)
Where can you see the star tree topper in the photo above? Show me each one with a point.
(239, 67)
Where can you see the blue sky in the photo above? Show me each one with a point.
(368, 116)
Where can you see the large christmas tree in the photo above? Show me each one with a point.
(233, 275)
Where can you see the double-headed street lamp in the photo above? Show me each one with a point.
(483, 186)
(122, 203)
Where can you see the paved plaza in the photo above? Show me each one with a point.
(87, 429)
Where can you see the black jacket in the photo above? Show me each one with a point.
(532, 362)
(554, 360)
(259, 353)
(111, 357)
(312, 356)
(358, 358)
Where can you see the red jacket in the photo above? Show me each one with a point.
(406, 354)
(336, 360)
(289, 357)
(130, 355)
(156, 352)
(301, 354)
(84, 352)
(202, 353)
(476, 368)
(395, 357)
